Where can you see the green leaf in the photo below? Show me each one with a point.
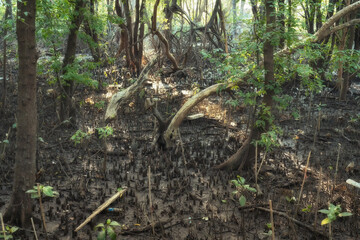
(242, 200)
(223, 201)
(100, 225)
(101, 235)
(325, 221)
(251, 189)
(34, 195)
(114, 223)
(47, 190)
(235, 182)
(31, 191)
(14, 229)
(325, 211)
(111, 233)
(242, 180)
(345, 214)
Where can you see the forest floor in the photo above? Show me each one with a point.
(189, 198)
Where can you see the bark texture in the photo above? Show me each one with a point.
(20, 209)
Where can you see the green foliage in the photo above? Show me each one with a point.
(269, 139)
(45, 190)
(5, 141)
(105, 132)
(240, 186)
(332, 213)
(307, 209)
(107, 230)
(355, 118)
(9, 232)
(291, 199)
(100, 105)
(79, 137)
(79, 74)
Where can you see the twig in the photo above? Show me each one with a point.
(150, 202)
(337, 164)
(317, 198)
(255, 167)
(101, 208)
(33, 226)
(262, 161)
(303, 182)
(42, 211)
(294, 220)
(2, 225)
(272, 221)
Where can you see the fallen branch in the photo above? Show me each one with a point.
(123, 95)
(146, 228)
(101, 208)
(309, 227)
(171, 131)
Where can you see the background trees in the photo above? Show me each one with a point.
(255, 52)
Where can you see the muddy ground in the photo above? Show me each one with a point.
(189, 198)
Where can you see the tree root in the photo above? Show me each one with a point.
(171, 131)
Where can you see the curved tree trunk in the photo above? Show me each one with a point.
(20, 209)
(162, 38)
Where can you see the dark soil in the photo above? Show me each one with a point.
(189, 199)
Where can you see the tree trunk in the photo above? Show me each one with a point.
(20, 209)
(246, 154)
(67, 109)
(281, 19)
(234, 16)
(89, 29)
(7, 16)
(318, 14)
(155, 31)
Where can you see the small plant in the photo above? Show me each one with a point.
(269, 231)
(332, 213)
(8, 232)
(37, 192)
(307, 209)
(107, 230)
(291, 199)
(105, 132)
(240, 185)
(100, 105)
(79, 137)
(355, 119)
(46, 190)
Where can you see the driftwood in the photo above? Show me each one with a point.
(123, 95)
(320, 35)
(101, 208)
